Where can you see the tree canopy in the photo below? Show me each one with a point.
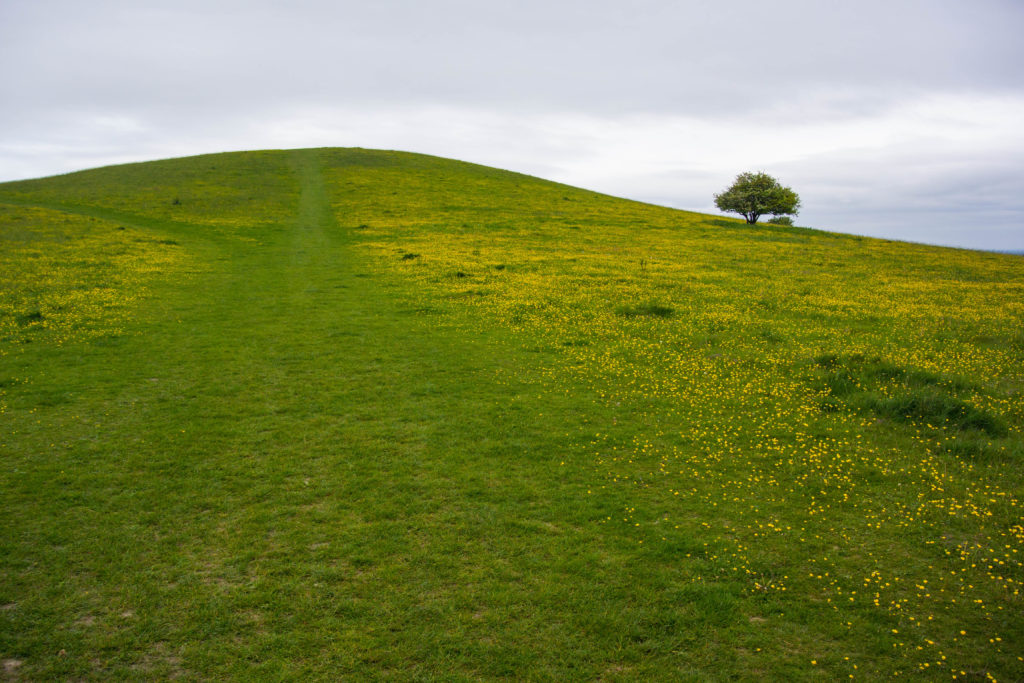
(756, 194)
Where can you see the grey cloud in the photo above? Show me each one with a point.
(594, 56)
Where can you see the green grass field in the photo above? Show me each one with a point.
(347, 414)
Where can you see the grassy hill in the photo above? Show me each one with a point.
(345, 413)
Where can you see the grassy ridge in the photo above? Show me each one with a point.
(386, 413)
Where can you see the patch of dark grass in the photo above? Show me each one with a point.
(30, 317)
(860, 369)
(420, 310)
(936, 407)
(409, 256)
(840, 383)
(826, 360)
(979, 449)
(909, 395)
(651, 310)
(49, 397)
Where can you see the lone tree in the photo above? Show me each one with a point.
(756, 194)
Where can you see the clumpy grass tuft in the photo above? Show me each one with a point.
(903, 394)
(648, 310)
(937, 409)
(35, 316)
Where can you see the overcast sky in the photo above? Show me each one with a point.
(898, 118)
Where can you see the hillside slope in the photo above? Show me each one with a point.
(348, 413)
